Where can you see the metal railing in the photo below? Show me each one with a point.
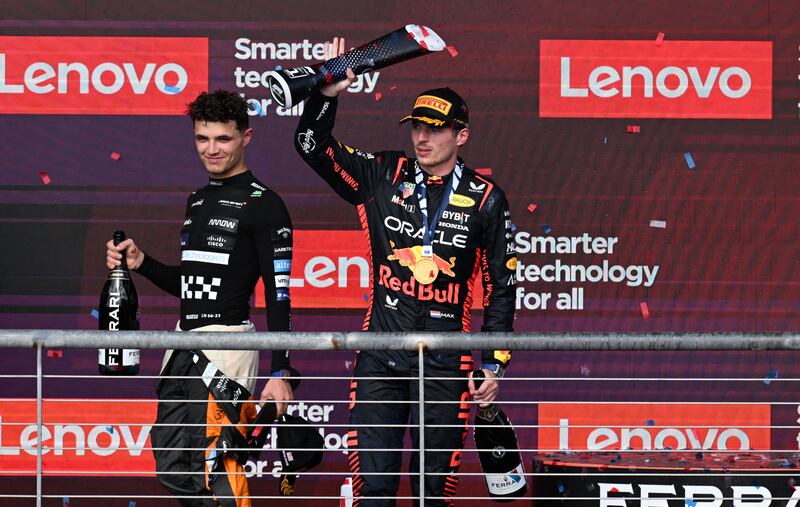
(419, 342)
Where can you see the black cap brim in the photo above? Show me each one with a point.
(424, 119)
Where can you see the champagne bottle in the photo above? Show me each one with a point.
(119, 310)
(498, 451)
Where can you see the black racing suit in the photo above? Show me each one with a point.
(473, 238)
(236, 231)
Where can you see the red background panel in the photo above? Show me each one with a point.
(123, 75)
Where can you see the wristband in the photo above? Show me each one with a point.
(284, 374)
(289, 375)
(496, 368)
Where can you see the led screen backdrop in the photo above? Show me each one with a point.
(649, 151)
(649, 156)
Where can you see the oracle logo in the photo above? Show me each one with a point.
(101, 75)
(637, 79)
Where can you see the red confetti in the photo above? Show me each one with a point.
(115, 155)
(659, 38)
(45, 178)
(378, 96)
(633, 129)
(532, 207)
(55, 353)
(645, 310)
(613, 490)
(393, 87)
(486, 171)
(452, 50)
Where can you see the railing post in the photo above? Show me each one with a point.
(421, 380)
(39, 424)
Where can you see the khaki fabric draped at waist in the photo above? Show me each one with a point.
(236, 364)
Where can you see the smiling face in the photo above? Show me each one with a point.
(221, 147)
(436, 148)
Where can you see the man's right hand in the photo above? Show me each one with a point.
(332, 50)
(133, 258)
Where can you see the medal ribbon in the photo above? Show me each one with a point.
(428, 232)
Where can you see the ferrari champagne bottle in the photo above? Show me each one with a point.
(119, 310)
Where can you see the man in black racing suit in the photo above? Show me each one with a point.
(423, 273)
(236, 231)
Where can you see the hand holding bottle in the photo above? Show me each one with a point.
(483, 388)
(133, 256)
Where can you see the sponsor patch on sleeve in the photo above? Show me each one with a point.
(283, 233)
(282, 265)
(512, 264)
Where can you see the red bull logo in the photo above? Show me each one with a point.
(409, 257)
(417, 290)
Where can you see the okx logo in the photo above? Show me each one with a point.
(639, 79)
(101, 75)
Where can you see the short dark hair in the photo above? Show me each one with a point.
(220, 106)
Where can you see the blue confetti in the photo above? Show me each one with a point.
(650, 422)
(257, 108)
(365, 296)
(94, 313)
(66, 501)
(172, 89)
(131, 504)
(605, 140)
(547, 229)
(279, 67)
(513, 227)
(773, 373)
(689, 160)
(560, 487)
(691, 503)
(110, 429)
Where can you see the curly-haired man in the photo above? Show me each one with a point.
(235, 231)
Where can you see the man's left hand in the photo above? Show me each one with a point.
(279, 390)
(488, 391)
